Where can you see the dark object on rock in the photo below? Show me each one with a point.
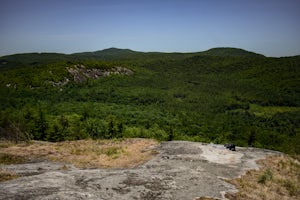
(230, 146)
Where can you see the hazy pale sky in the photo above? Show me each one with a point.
(269, 27)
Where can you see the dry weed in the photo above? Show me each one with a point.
(89, 153)
(6, 175)
(279, 178)
(7, 159)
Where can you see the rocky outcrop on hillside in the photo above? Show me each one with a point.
(60, 83)
(81, 73)
(181, 170)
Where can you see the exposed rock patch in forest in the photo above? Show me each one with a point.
(80, 73)
(180, 170)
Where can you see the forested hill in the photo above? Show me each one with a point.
(231, 52)
(221, 95)
(111, 54)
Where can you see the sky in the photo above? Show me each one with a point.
(268, 27)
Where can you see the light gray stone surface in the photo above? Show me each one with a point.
(182, 170)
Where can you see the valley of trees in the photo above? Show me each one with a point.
(222, 95)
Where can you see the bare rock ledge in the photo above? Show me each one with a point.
(181, 170)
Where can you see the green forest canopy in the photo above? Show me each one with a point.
(221, 95)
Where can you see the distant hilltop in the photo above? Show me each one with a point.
(115, 54)
(218, 51)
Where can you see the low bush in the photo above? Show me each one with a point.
(266, 176)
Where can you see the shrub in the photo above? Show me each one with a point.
(96, 128)
(266, 176)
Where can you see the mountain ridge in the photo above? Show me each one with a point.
(115, 54)
(114, 50)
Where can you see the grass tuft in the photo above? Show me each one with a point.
(266, 176)
(291, 187)
(8, 159)
(111, 151)
(7, 175)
